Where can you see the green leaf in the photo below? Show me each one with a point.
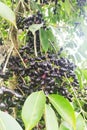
(33, 28)
(65, 126)
(51, 39)
(33, 109)
(67, 7)
(64, 108)
(44, 39)
(80, 123)
(84, 72)
(7, 122)
(7, 13)
(34, 6)
(50, 118)
(50, 35)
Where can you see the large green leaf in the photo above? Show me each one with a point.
(51, 39)
(65, 126)
(7, 122)
(34, 6)
(50, 119)
(67, 6)
(7, 13)
(33, 109)
(64, 108)
(80, 123)
(50, 35)
(33, 28)
(44, 39)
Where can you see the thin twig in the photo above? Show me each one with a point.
(82, 111)
(20, 57)
(73, 92)
(53, 46)
(35, 46)
(7, 59)
(13, 44)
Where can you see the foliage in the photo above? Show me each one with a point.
(34, 107)
(8, 122)
(55, 29)
(7, 13)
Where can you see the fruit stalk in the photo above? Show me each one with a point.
(35, 46)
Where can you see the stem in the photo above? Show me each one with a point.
(7, 59)
(35, 47)
(53, 46)
(74, 93)
(20, 57)
(14, 42)
(76, 97)
(14, 112)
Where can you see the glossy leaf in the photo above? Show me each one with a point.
(67, 6)
(34, 6)
(51, 39)
(65, 126)
(7, 122)
(50, 35)
(80, 123)
(64, 108)
(7, 13)
(33, 28)
(44, 39)
(33, 109)
(50, 119)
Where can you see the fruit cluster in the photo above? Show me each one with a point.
(49, 73)
(6, 98)
(43, 1)
(44, 73)
(29, 48)
(25, 23)
(34, 19)
(19, 21)
(9, 99)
